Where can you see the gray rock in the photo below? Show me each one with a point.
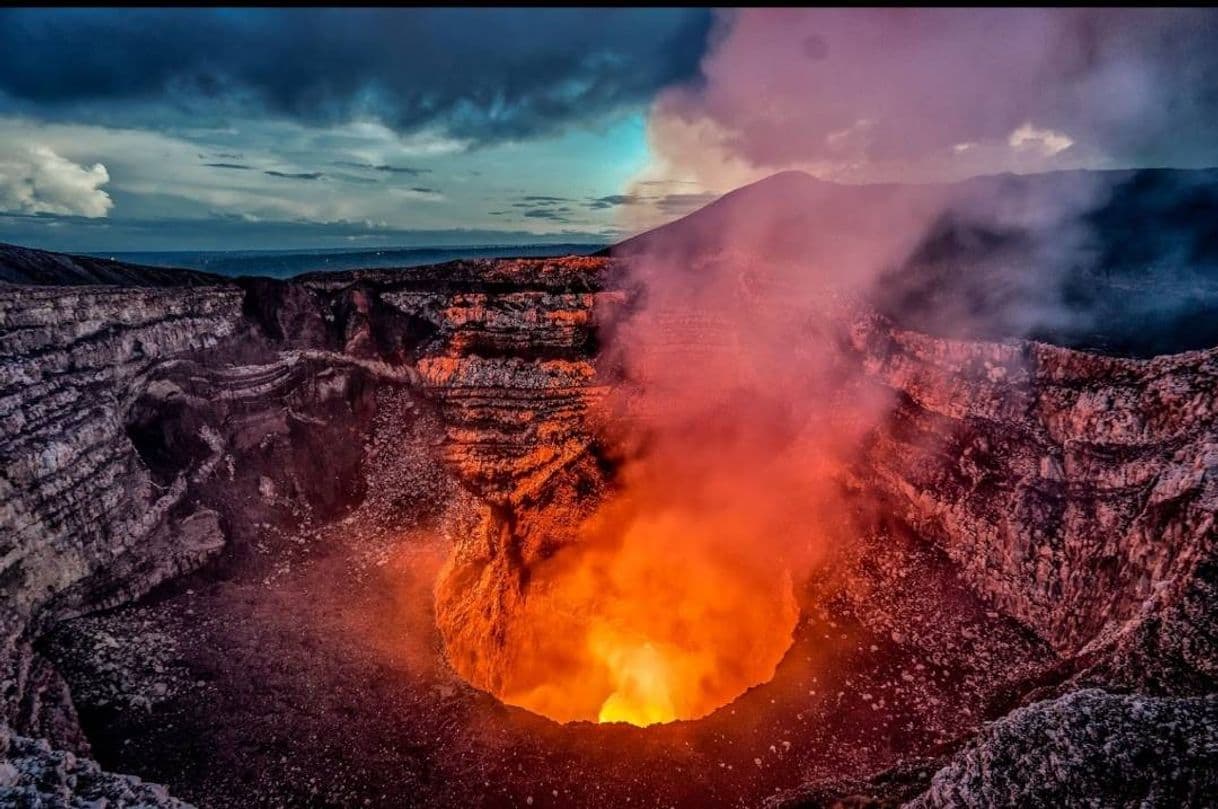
(1088, 749)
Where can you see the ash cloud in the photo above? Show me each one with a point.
(939, 95)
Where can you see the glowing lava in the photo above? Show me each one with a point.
(662, 617)
(643, 685)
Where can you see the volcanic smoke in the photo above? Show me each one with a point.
(733, 419)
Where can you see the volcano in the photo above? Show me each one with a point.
(430, 537)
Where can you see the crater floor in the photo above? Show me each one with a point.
(304, 668)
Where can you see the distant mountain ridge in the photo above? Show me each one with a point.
(293, 263)
(25, 265)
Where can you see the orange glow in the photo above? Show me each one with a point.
(649, 618)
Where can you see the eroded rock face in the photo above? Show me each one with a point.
(1072, 489)
(1074, 492)
(79, 506)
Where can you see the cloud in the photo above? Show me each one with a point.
(680, 204)
(416, 192)
(411, 170)
(351, 178)
(39, 181)
(666, 204)
(236, 166)
(613, 200)
(288, 175)
(478, 76)
(1045, 141)
(160, 177)
(554, 215)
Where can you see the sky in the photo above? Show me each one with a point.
(146, 129)
(291, 128)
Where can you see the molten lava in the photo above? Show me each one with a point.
(651, 618)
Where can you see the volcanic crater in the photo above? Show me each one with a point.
(316, 542)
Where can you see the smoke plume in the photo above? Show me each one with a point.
(740, 405)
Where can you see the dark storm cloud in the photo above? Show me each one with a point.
(422, 190)
(288, 175)
(544, 199)
(482, 75)
(238, 166)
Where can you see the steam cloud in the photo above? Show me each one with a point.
(934, 94)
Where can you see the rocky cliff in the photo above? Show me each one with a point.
(1072, 489)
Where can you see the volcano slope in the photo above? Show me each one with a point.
(246, 524)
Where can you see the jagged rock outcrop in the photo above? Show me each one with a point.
(122, 407)
(1088, 748)
(78, 504)
(32, 774)
(1074, 490)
